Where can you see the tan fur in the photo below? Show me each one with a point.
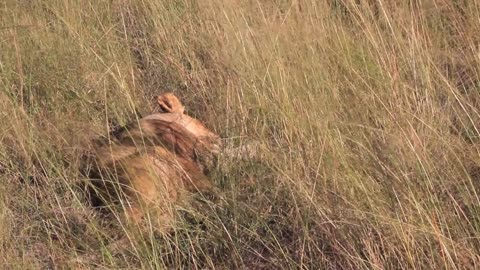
(169, 103)
(154, 163)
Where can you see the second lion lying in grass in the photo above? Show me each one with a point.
(148, 168)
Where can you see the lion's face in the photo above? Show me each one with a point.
(173, 109)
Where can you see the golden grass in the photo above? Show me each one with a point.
(366, 113)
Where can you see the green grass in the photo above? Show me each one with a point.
(367, 115)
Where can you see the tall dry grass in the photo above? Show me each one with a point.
(365, 113)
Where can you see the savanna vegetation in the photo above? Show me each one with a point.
(365, 116)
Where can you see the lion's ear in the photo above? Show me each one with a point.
(164, 105)
(168, 102)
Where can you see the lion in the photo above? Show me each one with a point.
(149, 167)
